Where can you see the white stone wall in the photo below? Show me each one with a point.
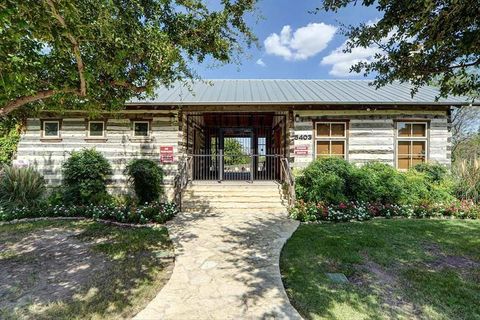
(371, 135)
(119, 147)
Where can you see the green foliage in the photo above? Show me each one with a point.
(233, 153)
(377, 182)
(421, 41)
(467, 184)
(97, 54)
(335, 181)
(9, 137)
(325, 180)
(154, 212)
(85, 176)
(434, 172)
(147, 178)
(20, 187)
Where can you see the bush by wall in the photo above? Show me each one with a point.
(327, 180)
(334, 181)
(147, 178)
(85, 176)
(20, 187)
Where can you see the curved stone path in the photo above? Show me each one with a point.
(226, 267)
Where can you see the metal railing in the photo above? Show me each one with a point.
(241, 167)
(288, 182)
(181, 180)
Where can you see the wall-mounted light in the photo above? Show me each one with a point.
(297, 118)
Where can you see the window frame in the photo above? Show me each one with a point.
(331, 138)
(133, 129)
(104, 131)
(411, 139)
(56, 137)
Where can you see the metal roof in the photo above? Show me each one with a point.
(294, 92)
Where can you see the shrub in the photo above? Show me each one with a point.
(85, 176)
(434, 172)
(147, 178)
(326, 180)
(20, 187)
(377, 182)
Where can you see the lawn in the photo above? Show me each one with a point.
(80, 269)
(396, 269)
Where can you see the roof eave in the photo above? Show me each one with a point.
(292, 103)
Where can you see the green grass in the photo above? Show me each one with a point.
(398, 269)
(139, 260)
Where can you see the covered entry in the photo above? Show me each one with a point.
(236, 146)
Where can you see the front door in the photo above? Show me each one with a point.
(237, 148)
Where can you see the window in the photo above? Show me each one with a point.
(331, 139)
(51, 129)
(141, 129)
(411, 144)
(96, 129)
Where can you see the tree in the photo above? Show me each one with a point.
(234, 152)
(422, 41)
(96, 54)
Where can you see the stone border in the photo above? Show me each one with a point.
(115, 223)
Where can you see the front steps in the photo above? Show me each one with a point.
(233, 197)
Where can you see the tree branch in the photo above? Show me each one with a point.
(75, 46)
(128, 86)
(17, 103)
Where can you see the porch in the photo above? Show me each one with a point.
(236, 146)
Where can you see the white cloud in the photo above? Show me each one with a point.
(341, 62)
(261, 63)
(304, 43)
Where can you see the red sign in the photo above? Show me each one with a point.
(166, 154)
(301, 150)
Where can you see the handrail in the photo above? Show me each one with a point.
(181, 180)
(289, 181)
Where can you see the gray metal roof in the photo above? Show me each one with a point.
(294, 92)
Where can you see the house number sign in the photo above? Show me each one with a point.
(304, 137)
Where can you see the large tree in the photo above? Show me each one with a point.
(96, 54)
(423, 42)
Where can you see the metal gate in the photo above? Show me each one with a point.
(236, 146)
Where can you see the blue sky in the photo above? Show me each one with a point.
(309, 49)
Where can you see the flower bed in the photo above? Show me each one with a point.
(359, 211)
(155, 212)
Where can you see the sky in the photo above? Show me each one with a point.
(297, 44)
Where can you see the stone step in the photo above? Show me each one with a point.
(237, 210)
(233, 199)
(231, 204)
(222, 187)
(233, 193)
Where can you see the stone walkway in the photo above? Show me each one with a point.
(226, 268)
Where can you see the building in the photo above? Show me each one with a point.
(250, 129)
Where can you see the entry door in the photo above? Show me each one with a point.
(236, 146)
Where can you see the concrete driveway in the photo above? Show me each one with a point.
(226, 267)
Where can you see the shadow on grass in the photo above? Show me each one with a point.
(401, 249)
(84, 270)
